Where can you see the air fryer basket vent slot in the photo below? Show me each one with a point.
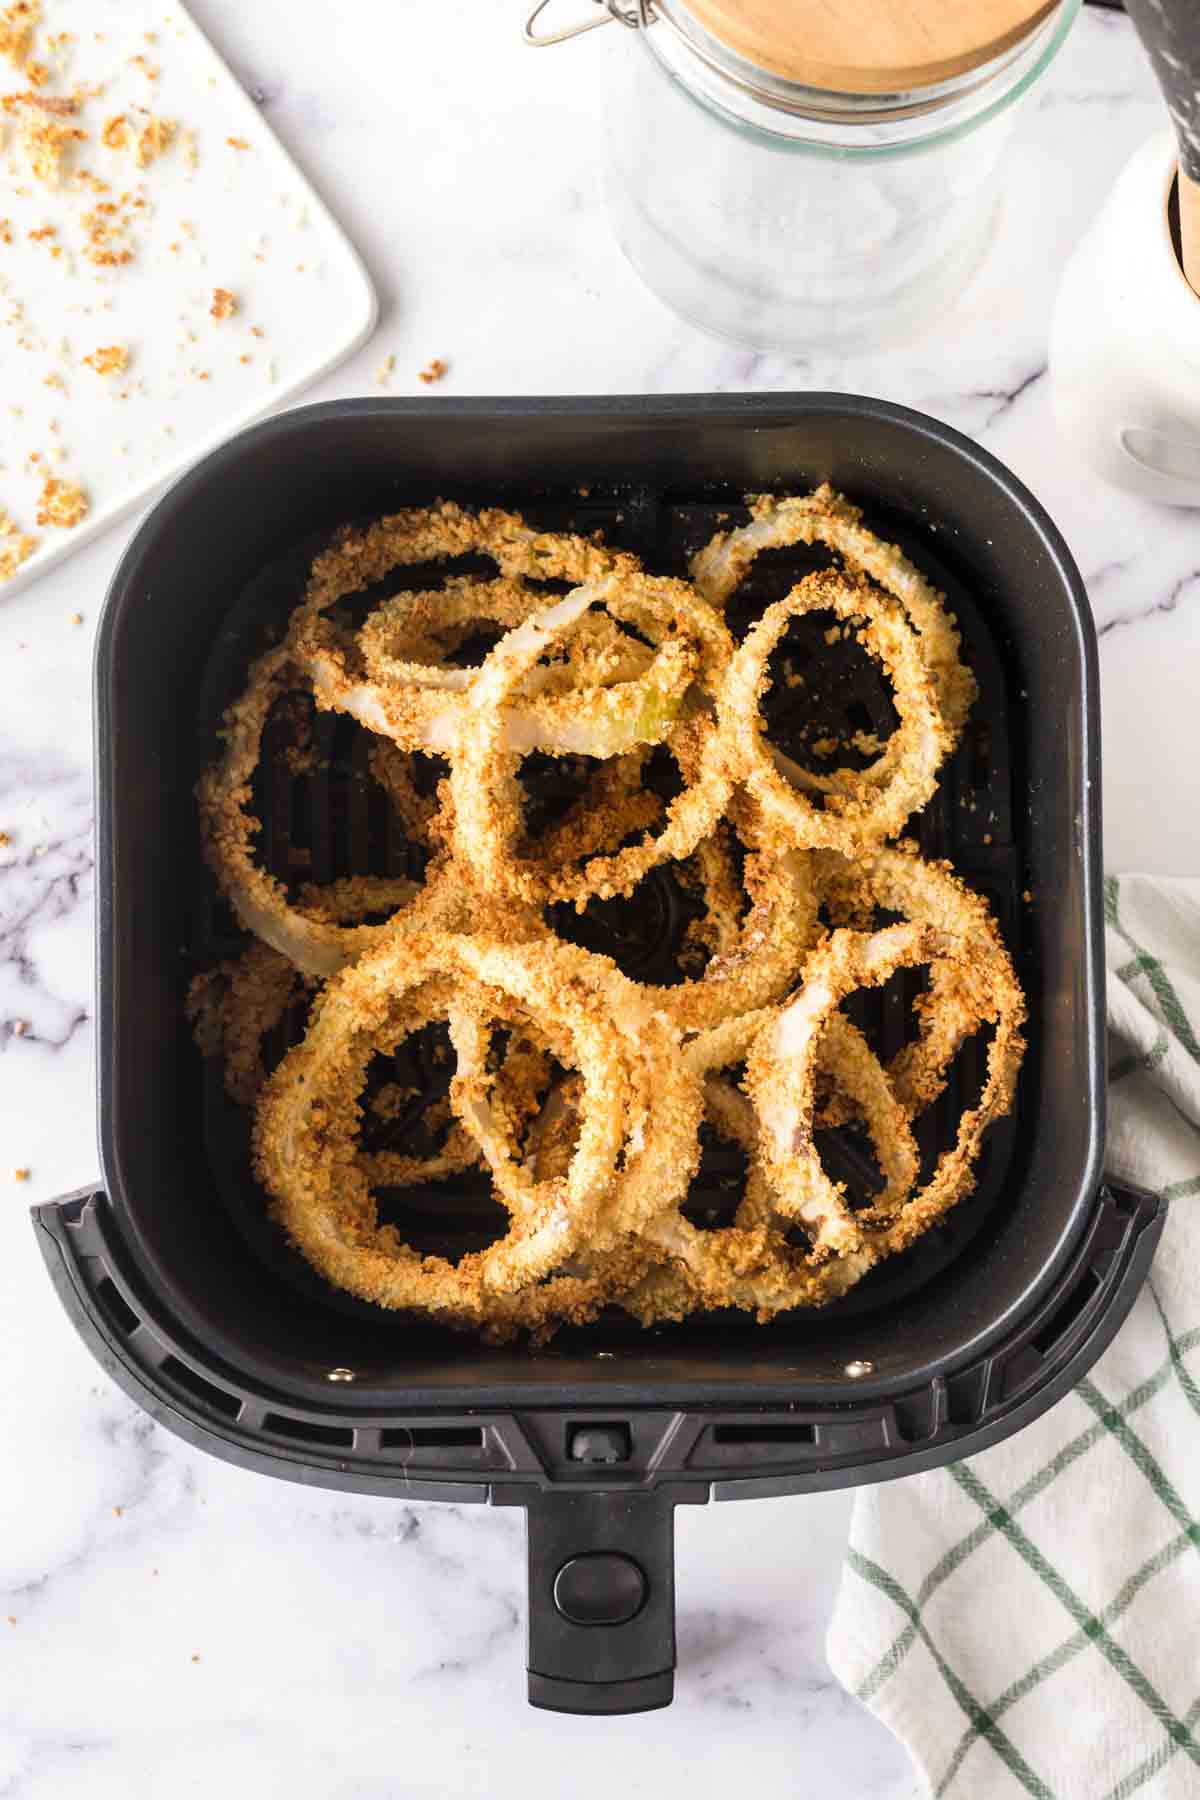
(116, 1306)
(431, 1437)
(307, 1431)
(218, 1398)
(1060, 1322)
(750, 1435)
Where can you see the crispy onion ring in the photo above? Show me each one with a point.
(356, 559)
(849, 820)
(425, 626)
(235, 1005)
(752, 1264)
(304, 1136)
(782, 1066)
(826, 517)
(780, 1076)
(674, 1267)
(762, 963)
(664, 1103)
(483, 780)
(601, 719)
(316, 943)
(394, 770)
(962, 991)
(612, 805)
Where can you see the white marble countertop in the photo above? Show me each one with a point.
(179, 1627)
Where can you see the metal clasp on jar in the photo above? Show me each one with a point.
(634, 13)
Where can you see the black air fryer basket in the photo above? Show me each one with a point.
(189, 1297)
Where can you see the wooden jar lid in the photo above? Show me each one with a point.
(868, 46)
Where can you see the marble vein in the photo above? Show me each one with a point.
(1167, 603)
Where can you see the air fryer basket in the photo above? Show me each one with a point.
(193, 1301)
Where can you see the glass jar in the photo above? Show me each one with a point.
(794, 218)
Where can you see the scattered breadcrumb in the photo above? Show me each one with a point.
(20, 1027)
(987, 837)
(12, 1618)
(433, 371)
(37, 73)
(257, 331)
(107, 244)
(5, 840)
(236, 143)
(61, 503)
(6, 236)
(20, 1174)
(108, 359)
(148, 69)
(75, 619)
(383, 373)
(224, 304)
(195, 1659)
(146, 141)
(43, 134)
(118, 1512)
(17, 23)
(154, 137)
(16, 546)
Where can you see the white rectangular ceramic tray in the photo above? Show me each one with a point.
(223, 207)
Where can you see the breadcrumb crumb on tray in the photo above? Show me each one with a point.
(16, 546)
(108, 359)
(61, 503)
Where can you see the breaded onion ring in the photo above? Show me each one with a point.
(233, 1006)
(405, 641)
(664, 1106)
(962, 991)
(826, 517)
(308, 1115)
(483, 779)
(761, 965)
(353, 561)
(601, 719)
(752, 1264)
(849, 820)
(782, 1065)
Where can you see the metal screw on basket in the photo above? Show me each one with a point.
(856, 1370)
(341, 1375)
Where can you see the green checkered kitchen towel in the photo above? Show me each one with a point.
(1028, 1622)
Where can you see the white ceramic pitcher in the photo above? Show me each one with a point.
(1125, 341)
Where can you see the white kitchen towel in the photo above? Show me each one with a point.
(1028, 1621)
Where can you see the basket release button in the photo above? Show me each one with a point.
(601, 1588)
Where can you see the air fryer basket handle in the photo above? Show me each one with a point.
(602, 1599)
